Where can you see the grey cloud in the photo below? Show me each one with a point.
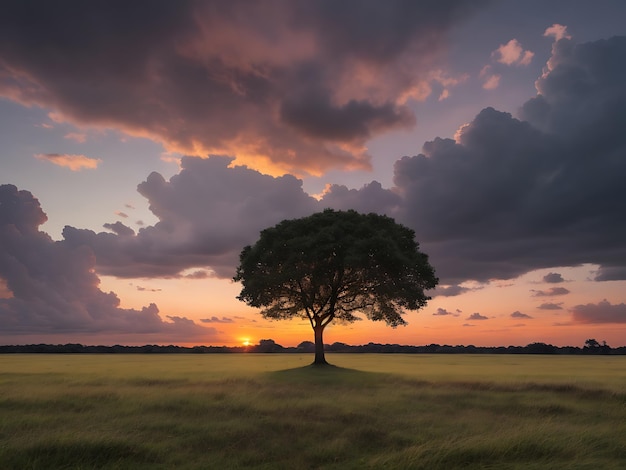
(370, 198)
(477, 316)
(611, 273)
(120, 229)
(147, 289)
(550, 292)
(443, 312)
(602, 312)
(551, 306)
(316, 116)
(207, 213)
(449, 291)
(582, 96)
(279, 79)
(512, 196)
(506, 199)
(553, 278)
(509, 197)
(518, 314)
(215, 319)
(53, 286)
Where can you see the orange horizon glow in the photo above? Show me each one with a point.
(229, 322)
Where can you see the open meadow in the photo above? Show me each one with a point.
(231, 411)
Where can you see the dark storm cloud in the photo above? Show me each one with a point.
(53, 287)
(508, 197)
(515, 195)
(207, 213)
(316, 116)
(602, 312)
(553, 278)
(287, 84)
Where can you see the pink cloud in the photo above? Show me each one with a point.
(491, 80)
(73, 162)
(76, 136)
(285, 86)
(557, 31)
(512, 53)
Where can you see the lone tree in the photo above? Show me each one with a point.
(333, 264)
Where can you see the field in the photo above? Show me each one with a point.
(230, 411)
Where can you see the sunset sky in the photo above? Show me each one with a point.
(144, 144)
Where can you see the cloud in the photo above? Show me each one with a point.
(508, 196)
(551, 306)
(73, 162)
(450, 291)
(557, 31)
(77, 137)
(207, 213)
(146, 289)
(477, 316)
(550, 292)
(512, 53)
(5, 292)
(610, 273)
(120, 229)
(553, 278)
(602, 312)
(285, 85)
(492, 82)
(444, 312)
(518, 314)
(53, 286)
(215, 319)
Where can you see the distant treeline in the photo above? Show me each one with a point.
(270, 346)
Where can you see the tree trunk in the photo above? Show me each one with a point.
(319, 347)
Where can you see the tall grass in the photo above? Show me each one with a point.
(273, 412)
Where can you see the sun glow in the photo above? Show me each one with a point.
(246, 342)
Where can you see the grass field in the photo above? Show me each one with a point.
(259, 411)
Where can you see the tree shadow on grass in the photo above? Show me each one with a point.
(325, 374)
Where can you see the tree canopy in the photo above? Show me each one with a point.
(333, 265)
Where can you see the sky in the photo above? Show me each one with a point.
(144, 144)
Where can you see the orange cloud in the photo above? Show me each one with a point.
(73, 162)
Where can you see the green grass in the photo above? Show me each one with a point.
(273, 411)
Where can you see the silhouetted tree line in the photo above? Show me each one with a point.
(270, 346)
